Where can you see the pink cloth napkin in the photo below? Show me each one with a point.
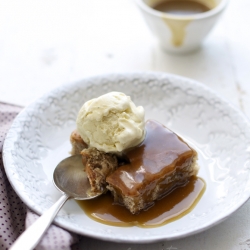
(14, 215)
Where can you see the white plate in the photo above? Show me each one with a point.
(39, 139)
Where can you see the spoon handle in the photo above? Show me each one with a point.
(31, 236)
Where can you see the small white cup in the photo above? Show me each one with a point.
(181, 33)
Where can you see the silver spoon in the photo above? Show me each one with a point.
(70, 178)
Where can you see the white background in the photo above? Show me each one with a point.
(47, 43)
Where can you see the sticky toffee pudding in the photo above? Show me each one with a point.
(159, 164)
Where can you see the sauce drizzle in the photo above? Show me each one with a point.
(170, 208)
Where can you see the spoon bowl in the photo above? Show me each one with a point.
(71, 179)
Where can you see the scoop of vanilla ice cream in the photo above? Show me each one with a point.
(111, 122)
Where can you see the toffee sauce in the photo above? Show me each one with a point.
(171, 207)
(181, 7)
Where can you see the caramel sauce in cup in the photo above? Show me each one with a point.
(182, 7)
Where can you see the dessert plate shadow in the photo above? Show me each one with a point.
(39, 139)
